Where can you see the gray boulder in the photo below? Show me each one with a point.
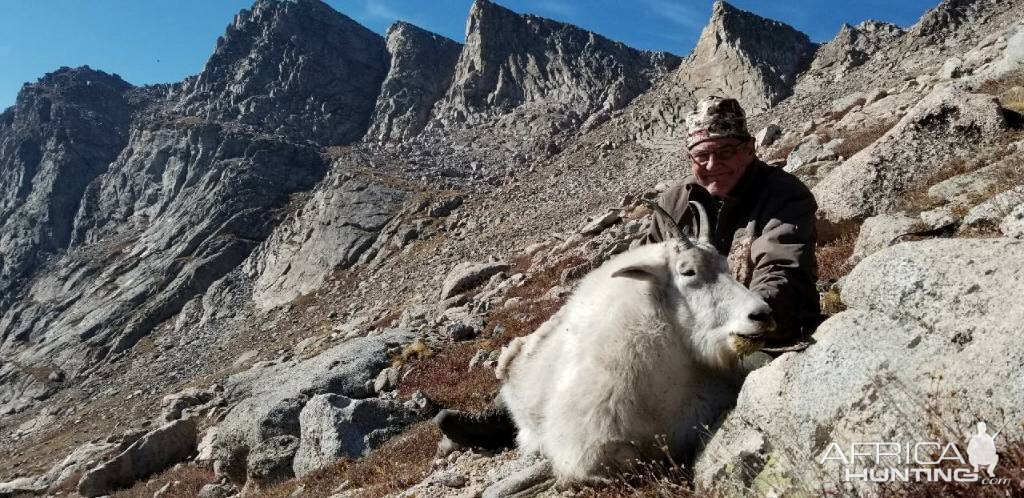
(809, 151)
(269, 399)
(928, 347)
(214, 490)
(21, 487)
(1013, 224)
(173, 405)
(878, 231)
(467, 275)
(336, 426)
(82, 458)
(597, 224)
(992, 211)
(945, 125)
(270, 462)
(768, 135)
(154, 452)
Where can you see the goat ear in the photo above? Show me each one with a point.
(641, 271)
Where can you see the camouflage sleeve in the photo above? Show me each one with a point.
(785, 269)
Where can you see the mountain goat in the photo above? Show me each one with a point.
(647, 346)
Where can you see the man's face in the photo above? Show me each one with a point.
(719, 163)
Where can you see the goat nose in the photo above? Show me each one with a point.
(763, 315)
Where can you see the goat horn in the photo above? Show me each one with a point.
(675, 231)
(703, 227)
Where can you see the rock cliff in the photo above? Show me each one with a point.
(422, 66)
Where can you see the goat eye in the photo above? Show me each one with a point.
(689, 272)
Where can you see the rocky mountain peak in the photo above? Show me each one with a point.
(298, 68)
(748, 56)
(421, 68)
(512, 59)
(61, 133)
(67, 90)
(852, 47)
(947, 16)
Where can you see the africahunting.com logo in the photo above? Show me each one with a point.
(926, 461)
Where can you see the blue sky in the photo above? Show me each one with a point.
(159, 41)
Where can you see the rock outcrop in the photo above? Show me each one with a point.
(927, 349)
(270, 397)
(753, 59)
(152, 453)
(61, 134)
(296, 68)
(332, 231)
(943, 126)
(421, 70)
(176, 211)
(852, 47)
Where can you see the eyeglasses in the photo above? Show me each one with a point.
(723, 153)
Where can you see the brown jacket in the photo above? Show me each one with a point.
(766, 228)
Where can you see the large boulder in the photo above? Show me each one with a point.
(992, 211)
(81, 459)
(271, 462)
(877, 232)
(154, 452)
(335, 426)
(269, 398)
(943, 126)
(928, 347)
(467, 275)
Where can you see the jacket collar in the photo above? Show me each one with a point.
(748, 182)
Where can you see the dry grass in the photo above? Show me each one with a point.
(858, 141)
(537, 284)
(445, 378)
(185, 480)
(1001, 85)
(1010, 91)
(386, 321)
(918, 200)
(832, 303)
(834, 253)
(398, 464)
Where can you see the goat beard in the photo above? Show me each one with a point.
(744, 346)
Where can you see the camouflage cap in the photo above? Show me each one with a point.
(716, 117)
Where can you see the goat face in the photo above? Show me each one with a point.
(722, 319)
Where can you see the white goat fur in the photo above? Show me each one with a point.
(632, 355)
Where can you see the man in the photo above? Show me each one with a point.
(761, 217)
